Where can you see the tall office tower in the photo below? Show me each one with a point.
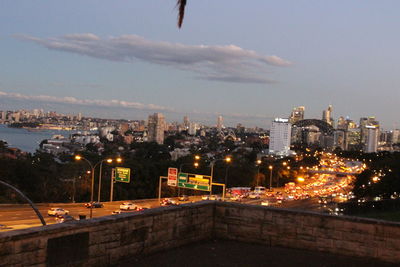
(394, 137)
(79, 117)
(220, 122)
(340, 139)
(327, 115)
(341, 123)
(371, 145)
(3, 115)
(193, 128)
(364, 122)
(297, 114)
(156, 127)
(280, 136)
(186, 122)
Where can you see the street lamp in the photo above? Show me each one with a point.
(226, 159)
(109, 161)
(92, 168)
(258, 162)
(270, 167)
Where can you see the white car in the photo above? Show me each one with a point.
(265, 203)
(215, 197)
(127, 206)
(205, 197)
(57, 212)
(254, 195)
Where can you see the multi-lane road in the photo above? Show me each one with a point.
(22, 216)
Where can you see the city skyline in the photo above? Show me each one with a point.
(248, 70)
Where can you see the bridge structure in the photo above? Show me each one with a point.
(323, 126)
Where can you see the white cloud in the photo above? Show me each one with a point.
(227, 63)
(85, 102)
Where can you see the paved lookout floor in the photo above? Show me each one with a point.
(232, 253)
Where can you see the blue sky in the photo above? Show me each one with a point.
(247, 60)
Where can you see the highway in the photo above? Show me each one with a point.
(305, 195)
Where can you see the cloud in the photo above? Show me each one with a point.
(85, 102)
(227, 63)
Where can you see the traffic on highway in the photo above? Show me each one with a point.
(316, 191)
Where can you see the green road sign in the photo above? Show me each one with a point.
(122, 174)
(194, 181)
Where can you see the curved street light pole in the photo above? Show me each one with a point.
(27, 199)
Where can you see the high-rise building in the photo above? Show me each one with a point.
(371, 145)
(327, 115)
(364, 122)
(156, 127)
(394, 137)
(297, 114)
(280, 136)
(220, 122)
(193, 128)
(186, 122)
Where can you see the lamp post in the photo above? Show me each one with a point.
(92, 168)
(258, 162)
(109, 160)
(227, 160)
(270, 176)
(78, 157)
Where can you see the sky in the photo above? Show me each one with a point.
(249, 61)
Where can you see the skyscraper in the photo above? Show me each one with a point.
(186, 122)
(156, 127)
(220, 122)
(327, 115)
(371, 145)
(297, 114)
(280, 137)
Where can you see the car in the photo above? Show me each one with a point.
(116, 212)
(205, 197)
(64, 218)
(183, 198)
(168, 202)
(254, 195)
(265, 203)
(215, 197)
(127, 206)
(94, 205)
(237, 197)
(57, 211)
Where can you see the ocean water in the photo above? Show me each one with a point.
(26, 140)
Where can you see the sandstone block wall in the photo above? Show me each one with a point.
(307, 230)
(107, 240)
(104, 241)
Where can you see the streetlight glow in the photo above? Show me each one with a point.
(78, 157)
(109, 160)
(259, 161)
(196, 157)
(228, 159)
(196, 164)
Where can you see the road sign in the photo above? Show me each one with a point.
(172, 176)
(122, 174)
(194, 181)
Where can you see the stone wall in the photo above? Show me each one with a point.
(107, 240)
(308, 230)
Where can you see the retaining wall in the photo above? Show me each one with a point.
(107, 240)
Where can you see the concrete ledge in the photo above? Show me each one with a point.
(109, 239)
